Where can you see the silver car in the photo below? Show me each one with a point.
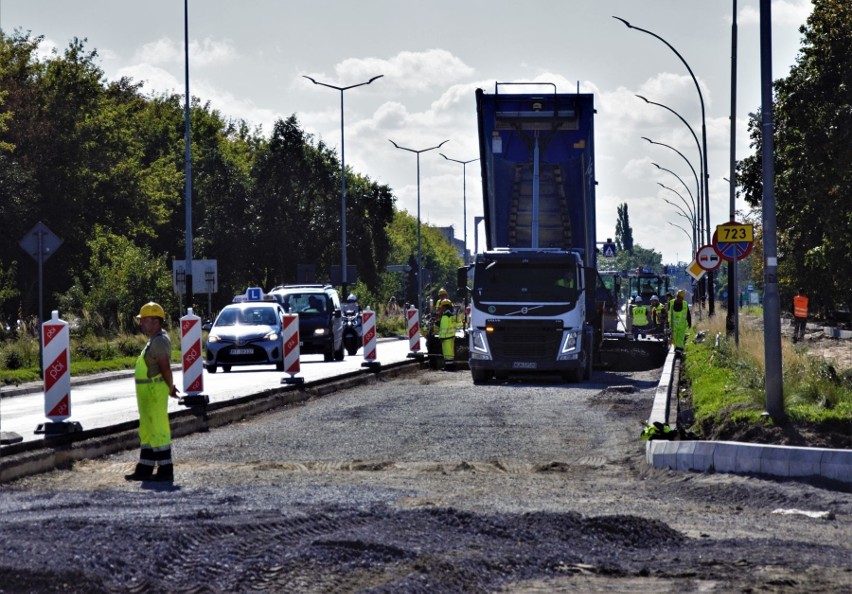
(247, 333)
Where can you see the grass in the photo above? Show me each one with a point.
(727, 382)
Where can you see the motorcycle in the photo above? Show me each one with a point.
(352, 332)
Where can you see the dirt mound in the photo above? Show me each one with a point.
(836, 435)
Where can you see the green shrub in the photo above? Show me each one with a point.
(20, 354)
(94, 349)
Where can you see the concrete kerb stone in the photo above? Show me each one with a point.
(735, 457)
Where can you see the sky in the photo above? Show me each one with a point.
(248, 59)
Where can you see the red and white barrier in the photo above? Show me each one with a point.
(412, 317)
(290, 338)
(193, 367)
(56, 362)
(368, 328)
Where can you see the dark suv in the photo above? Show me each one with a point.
(320, 320)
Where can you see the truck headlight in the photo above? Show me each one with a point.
(479, 345)
(570, 342)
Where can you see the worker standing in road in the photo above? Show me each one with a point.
(657, 315)
(800, 315)
(640, 317)
(154, 386)
(680, 319)
(447, 334)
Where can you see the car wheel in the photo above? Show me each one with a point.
(226, 368)
(211, 369)
(328, 353)
(340, 353)
(279, 366)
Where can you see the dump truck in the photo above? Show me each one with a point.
(534, 299)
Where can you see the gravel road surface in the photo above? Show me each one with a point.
(426, 483)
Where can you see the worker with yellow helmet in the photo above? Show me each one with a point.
(447, 332)
(680, 319)
(154, 386)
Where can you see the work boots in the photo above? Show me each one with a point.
(165, 473)
(142, 472)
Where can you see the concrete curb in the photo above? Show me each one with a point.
(735, 457)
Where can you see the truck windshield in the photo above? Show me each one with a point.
(516, 282)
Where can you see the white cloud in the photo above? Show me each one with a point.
(411, 71)
(208, 52)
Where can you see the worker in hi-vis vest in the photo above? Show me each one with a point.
(154, 386)
(679, 320)
(800, 315)
(447, 333)
(640, 317)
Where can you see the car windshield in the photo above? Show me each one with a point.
(304, 303)
(249, 316)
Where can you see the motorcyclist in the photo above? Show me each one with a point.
(350, 307)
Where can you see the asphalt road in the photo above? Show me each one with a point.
(426, 483)
(106, 403)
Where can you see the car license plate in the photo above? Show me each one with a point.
(242, 351)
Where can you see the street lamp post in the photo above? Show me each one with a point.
(419, 245)
(464, 196)
(687, 213)
(187, 161)
(691, 197)
(695, 175)
(703, 144)
(343, 268)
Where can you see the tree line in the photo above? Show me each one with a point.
(102, 165)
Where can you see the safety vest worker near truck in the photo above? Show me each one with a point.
(447, 333)
(640, 317)
(154, 386)
(679, 320)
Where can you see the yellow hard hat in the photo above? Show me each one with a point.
(443, 293)
(152, 310)
(445, 302)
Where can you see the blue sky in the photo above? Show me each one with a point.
(247, 59)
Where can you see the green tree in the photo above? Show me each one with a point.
(623, 230)
(120, 278)
(813, 160)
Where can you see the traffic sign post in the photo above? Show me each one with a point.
(733, 241)
(707, 258)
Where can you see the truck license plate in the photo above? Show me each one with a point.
(241, 351)
(524, 365)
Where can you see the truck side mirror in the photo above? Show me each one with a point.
(461, 280)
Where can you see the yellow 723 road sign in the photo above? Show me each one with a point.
(735, 233)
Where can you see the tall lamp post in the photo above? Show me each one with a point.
(695, 175)
(419, 245)
(464, 196)
(187, 160)
(703, 144)
(343, 268)
(691, 197)
(687, 213)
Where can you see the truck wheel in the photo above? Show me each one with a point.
(480, 376)
(587, 369)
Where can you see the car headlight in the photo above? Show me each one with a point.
(319, 332)
(213, 338)
(271, 336)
